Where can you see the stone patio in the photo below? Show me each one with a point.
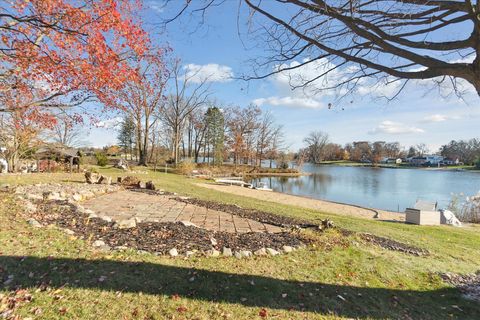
(124, 205)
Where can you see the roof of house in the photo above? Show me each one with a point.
(57, 151)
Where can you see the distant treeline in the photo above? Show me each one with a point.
(320, 148)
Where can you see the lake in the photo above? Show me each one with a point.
(382, 188)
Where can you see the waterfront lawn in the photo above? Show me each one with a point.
(338, 277)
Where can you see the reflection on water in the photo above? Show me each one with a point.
(390, 189)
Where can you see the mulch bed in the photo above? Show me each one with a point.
(393, 245)
(468, 284)
(159, 237)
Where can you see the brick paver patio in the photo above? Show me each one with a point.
(123, 205)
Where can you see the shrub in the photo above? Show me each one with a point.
(102, 159)
(477, 163)
(186, 167)
(468, 210)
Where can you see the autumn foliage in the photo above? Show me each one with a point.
(51, 48)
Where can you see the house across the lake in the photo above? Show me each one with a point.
(427, 160)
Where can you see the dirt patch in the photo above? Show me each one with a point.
(468, 284)
(158, 237)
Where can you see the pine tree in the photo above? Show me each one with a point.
(215, 133)
(126, 135)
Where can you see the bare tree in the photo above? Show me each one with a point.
(422, 149)
(242, 126)
(66, 132)
(392, 40)
(141, 99)
(316, 142)
(189, 94)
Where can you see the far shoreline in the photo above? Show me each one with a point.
(385, 166)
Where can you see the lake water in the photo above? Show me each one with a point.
(382, 188)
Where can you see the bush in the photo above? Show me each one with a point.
(186, 167)
(477, 163)
(467, 210)
(102, 159)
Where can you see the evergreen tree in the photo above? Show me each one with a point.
(126, 135)
(215, 134)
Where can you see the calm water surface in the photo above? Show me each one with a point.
(389, 189)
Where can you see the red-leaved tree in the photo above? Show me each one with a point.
(63, 51)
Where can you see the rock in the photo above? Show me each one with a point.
(92, 177)
(213, 253)
(5, 186)
(69, 232)
(213, 241)
(77, 197)
(260, 252)
(227, 252)
(51, 196)
(106, 218)
(238, 255)
(88, 211)
(80, 209)
(188, 224)
(189, 253)
(121, 248)
(141, 185)
(287, 249)
(272, 252)
(173, 252)
(30, 207)
(150, 185)
(130, 181)
(121, 164)
(246, 253)
(105, 180)
(98, 243)
(32, 196)
(93, 216)
(34, 223)
(126, 224)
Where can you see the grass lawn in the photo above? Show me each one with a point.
(338, 278)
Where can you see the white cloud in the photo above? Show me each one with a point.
(391, 127)
(211, 72)
(109, 123)
(439, 118)
(157, 6)
(289, 102)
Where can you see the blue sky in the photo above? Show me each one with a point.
(217, 50)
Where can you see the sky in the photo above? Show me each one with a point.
(215, 49)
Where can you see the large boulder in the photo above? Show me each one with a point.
(150, 185)
(129, 181)
(92, 177)
(95, 178)
(122, 164)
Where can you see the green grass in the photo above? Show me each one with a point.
(375, 283)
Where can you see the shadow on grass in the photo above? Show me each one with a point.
(259, 291)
